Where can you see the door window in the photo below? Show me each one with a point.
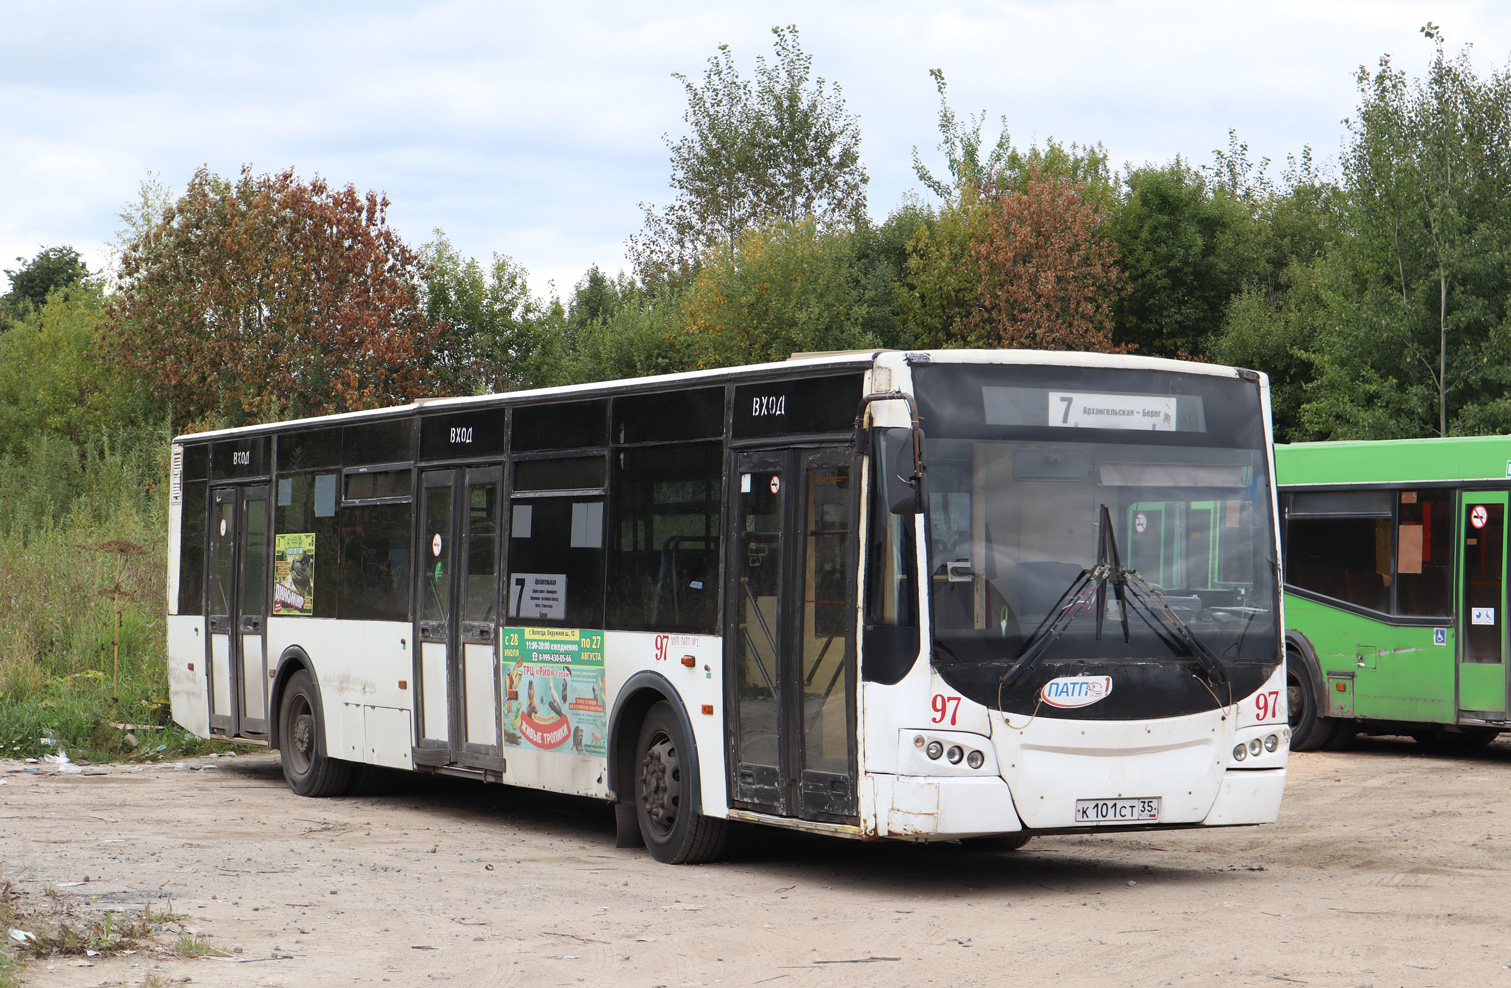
(759, 611)
(222, 538)
(254, 563)
(826, 619)
(435, 554)
(482, 551)
(1484, 573)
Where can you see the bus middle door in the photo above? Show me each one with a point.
(236, 611)
(790, 633)
(456, 676)
(1482, 605)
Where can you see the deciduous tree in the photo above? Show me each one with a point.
(485, 319)
(51, 269)
(1049, 276)
(269, 296)
(783, 149)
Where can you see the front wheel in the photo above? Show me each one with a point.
(673, 833)
(1309, 729)
(307, 768)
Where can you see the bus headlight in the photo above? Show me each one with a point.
(1255, 746)
(1240, 752)
(955, 754)
(934, 750)
(1271, 742)
(975, 759)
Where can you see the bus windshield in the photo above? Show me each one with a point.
(1012, 525)
(1014, 518)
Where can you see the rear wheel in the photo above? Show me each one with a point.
(673, 833)
(307, 768)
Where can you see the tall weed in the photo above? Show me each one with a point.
(64, 506)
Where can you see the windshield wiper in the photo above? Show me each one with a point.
(1056, 622)
(1127, 585)
(1152, 603)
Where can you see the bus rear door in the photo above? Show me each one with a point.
(1482, 606)
(236, 610)
(790, 633)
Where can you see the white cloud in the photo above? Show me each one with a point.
(534, 130)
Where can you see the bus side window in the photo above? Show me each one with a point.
(556, 541)
(664, 538)
(1424, 553)
(1338, 545)
(304, 519)
(890, 643)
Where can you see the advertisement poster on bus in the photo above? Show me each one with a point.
(553, 690)
(294, 574)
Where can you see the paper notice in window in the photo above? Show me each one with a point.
(542, 596)
(1409, 549)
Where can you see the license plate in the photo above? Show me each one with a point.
(1117, 810)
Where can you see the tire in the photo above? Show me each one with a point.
(1309, 729)
(1001, 844)
(307, 769)
(1345, 732)
(673, 833)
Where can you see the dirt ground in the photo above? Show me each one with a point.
(1388, 867)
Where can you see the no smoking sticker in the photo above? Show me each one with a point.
(435, 545)
(1140, 523)
(1478, 516)
(776, 484)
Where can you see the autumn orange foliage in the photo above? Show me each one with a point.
(1048, 277)
(272, 297)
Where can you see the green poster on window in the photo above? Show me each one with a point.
(294, 574)
(553, 690)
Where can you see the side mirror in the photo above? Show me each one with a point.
(905, 496)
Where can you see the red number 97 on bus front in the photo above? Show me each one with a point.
(945, 706)
(1267, 705)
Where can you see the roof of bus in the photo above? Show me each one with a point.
(1393, 461)
(799, 364)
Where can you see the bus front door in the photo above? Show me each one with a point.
(1482, 605)
(790, 633)
(456, 679)
(236, 611)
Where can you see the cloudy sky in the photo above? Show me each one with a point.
(535, 129)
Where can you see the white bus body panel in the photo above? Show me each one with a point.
(360, 663)
(187, 692)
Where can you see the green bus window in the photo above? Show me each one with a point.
(1338, 544)
(1424, 554)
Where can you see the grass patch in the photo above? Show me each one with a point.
(84, 529)
(195, 945)
(52, 925)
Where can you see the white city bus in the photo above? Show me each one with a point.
(926, 596)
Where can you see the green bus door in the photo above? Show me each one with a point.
(1482, 604)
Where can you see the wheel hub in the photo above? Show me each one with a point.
(304, 733)
(660, 784)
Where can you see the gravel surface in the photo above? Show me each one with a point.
(1388, 867)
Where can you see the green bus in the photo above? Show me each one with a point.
(1395, 589)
